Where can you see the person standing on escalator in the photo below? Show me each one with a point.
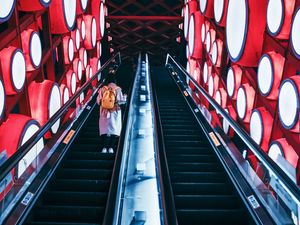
(110, 97)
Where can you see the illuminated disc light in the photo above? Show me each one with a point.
(54, 106)
(66, 95)
(35, 49)
(102, 20)
(69, 8)
(6, 9)
(90, 72)
(191, 35)
(31, 128)
(83, 4)
(288, 103)
(81, 97)
(18, 69)
(203, 33)
(211, 85)
(187, 52)
(186, 20)
(214, 53)
(77, 39)
(206, 72)
(230, 84)
(83, 57)
(274, 151)
(295, 34)
(256, 127)
(225, 124)
(83, 30)
(241, 103)
(236, 28)
(218, 10)
(275, 16)
(99, 67)
(99, 49)
(203, 5)
(80, 68)
(94, 32)
(71, 50)
(208, 41)
(73, 83)
(265, 75)
(2, 99)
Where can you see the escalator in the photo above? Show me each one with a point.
(77, 194)
(202, 191)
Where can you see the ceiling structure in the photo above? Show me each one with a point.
(144, 26)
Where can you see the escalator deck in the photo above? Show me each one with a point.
(77, 193)
(202, 191)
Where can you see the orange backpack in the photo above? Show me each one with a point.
(108, 100)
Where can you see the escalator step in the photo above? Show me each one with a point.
(194, 167)
(75, 198)
(59, 223)
(191, 158)
(198, 188)
(89, 164)
(205, 177)
(69, 213)
(80, 185)
(89, 174)
(90, 155)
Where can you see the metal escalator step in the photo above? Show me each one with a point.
(59, 223)
(80, 185)
(69, 213)
(198, 188)
(190, 150)
(89, 174)
(89, 164)
(69, 198)
(206, 201)
(213, 216)
(185, 158)
(90, 155)
(205, 177)
(194, 167)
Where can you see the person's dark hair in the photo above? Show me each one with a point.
(110, 78)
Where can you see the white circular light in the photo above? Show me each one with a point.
(241, 103)
(205, 73)
(274, 16)
(203, 33)
(90, 72)
(84, 58)
(265, 75)
(187, 52)
(18, 70)
(77, 41)
(2, 98)
(94, 32)
(256, 127)
(208, 40)
(102, 20)
(46, 1)
(66, 95)
(218, 10)
(6, 9)
(70, 12)
(54, 106)
(211, 85)
(83, 31)
(186, 20)
(230, 84)
(35, 49)
(274, 151)
(83, 4)
(214, 53)
(79, 73)
(100, 49)
(218, 97)
(225, 124)
(191, 35)
(99, 67)
(71, 50)
(236, 26)
(288, 103)
(295, 33)
(81, 97)
(73, 83)
(203, 4)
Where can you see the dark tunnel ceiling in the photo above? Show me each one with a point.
(144, 25)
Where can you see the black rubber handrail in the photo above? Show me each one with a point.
(11, 162)
(112, 195)
(254, 147)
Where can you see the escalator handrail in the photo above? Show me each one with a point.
(111, 199)
(260, 154)
(11, 162)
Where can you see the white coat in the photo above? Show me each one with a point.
(110, 121)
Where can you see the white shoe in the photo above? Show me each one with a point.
(110, 150)
(104, 150)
